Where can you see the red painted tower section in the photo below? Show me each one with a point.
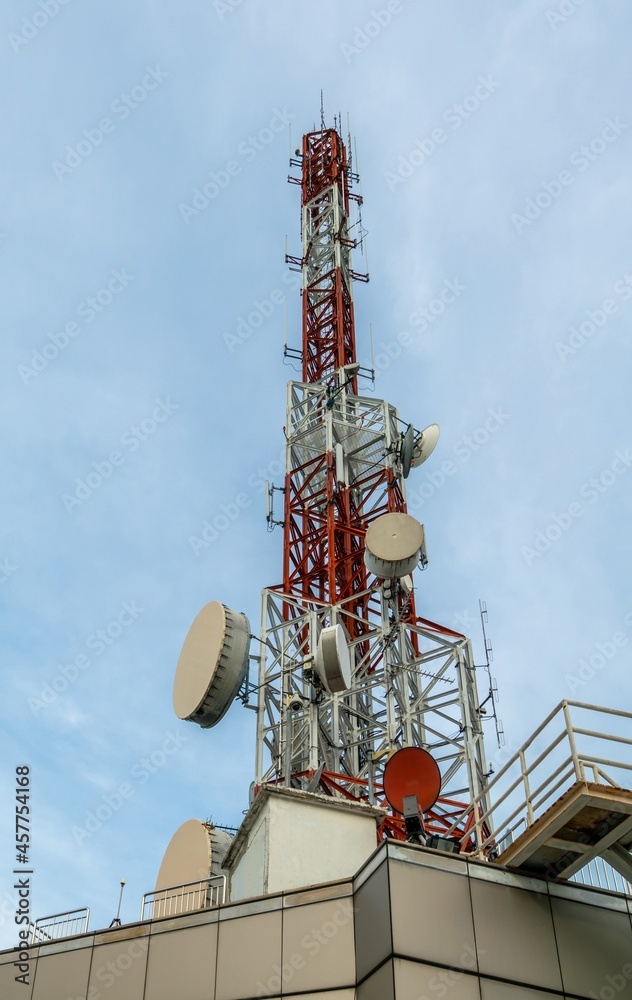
(324, 531)
(328, 321)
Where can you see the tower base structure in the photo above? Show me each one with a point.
(292, 838)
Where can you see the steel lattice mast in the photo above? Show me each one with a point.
(413, 682)
(324, 532)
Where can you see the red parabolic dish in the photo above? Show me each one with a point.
(412, 771)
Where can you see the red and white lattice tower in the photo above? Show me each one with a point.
(413, 682)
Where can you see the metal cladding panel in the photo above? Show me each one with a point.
(329, 995)
(10, 989)
(594, 947)
(301, 943)
(62, 975)
(380, 985)
(442, 933)
(416, 981)
(249, 957)
(118, 968)
(318, 946)
(514, 934)
(374, 936)
(493, 990)
(182, 957)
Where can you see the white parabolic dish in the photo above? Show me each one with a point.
(425, 444)
(333, 659)
(393, 543)
(212, 665)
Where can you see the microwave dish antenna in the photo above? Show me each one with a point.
(333, 659)
(425, 444)
(212, 666)
(195, 852)
(412, 771)
(194, 855)
(407, 450)
(394, 543)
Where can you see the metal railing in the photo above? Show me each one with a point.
(166, 902)
(175, 899)
(598, 874)
(60, 925)
(543, 768)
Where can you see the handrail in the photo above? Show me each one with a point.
(601, 876)
(553, 788)
(526, 789)
(160, 902)
(209, 892)
(47, 928)
(613, 763)
(596, 708)
(603, 736)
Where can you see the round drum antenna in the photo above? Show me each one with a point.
(333, 659)
(393, 545)
(212, 666)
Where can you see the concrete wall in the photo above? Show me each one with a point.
(291, 838)
(413, 925)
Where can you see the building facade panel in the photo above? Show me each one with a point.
(318, 951)
(186, 956)
(595, 949)
(418, 981)
(423, 928)
(119, 964)
(514, 934)
(349, 994)
(432, 916)
(63, 976)
(380, 985)
(9, 988)
(493, 990)
(249, 957)
(373, 933)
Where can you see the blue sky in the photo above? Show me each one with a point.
(494, 146)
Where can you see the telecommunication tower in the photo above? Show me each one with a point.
(348, 671)
(368, 719)
(368, 715)
(411, 682)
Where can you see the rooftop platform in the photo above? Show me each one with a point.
(586, 822)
